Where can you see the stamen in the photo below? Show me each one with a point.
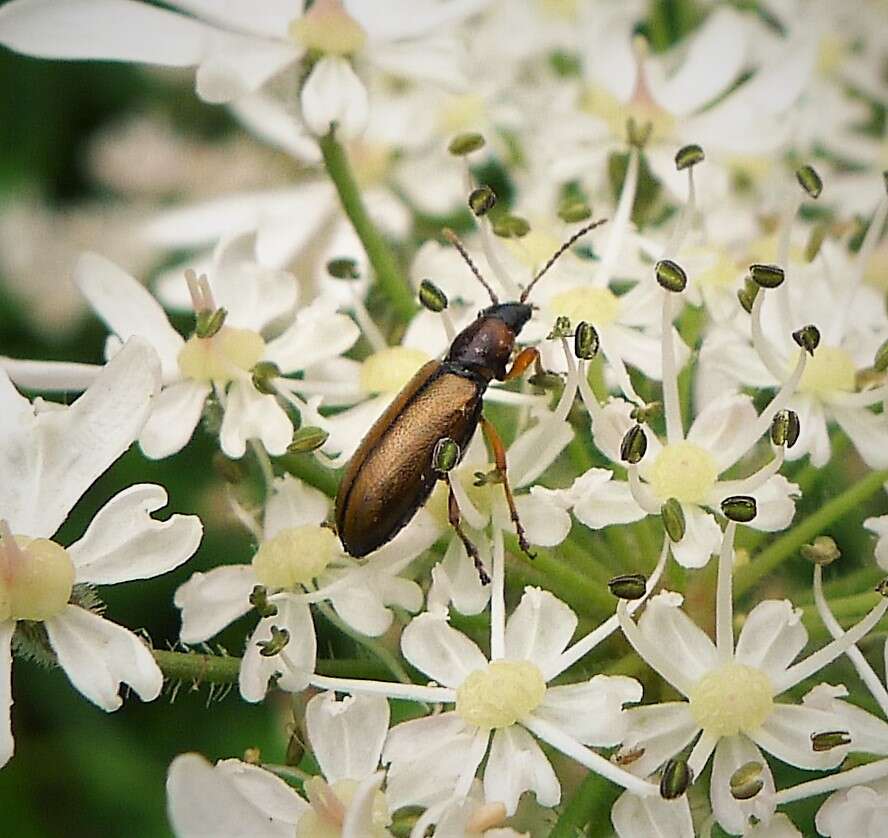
(840, 780)
(747, 485)
(498, 598)
(390, 689)
(324, 801)
(701, 752)
(621, 220)
(201, 294)
(724, 605)
(371, 331)
(671, 403)
(760, 342)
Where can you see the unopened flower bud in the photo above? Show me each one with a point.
(670, 275)
(810, 181)
(463, 144)
(511, 226)
(432, 297)
(482, 200)
(830, 739)
(343, 268)
(880, 364)
(676, 779)
(561, 329)
(280, 637)
(586, 341)
(785, 428)
(689, 155)
(572, 211)
(209, 323)
(822, 551)
(747, 294)
(264, 374)
(259, 601)
(767, 276)
(739, 508)
(628, 586)
(746, 782)
(307, 439)
(446, 455)
(808, 337)
(673, 519)
(634, 445)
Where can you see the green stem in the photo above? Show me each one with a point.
(785, 546)
(385, 266)
(590, 803)
(307, 468)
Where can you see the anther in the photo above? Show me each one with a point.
(463, 144)
(880, 364)
(830, 739)
(810, 181)
(671, 275)
(511, 226)
(785, 428)
(307, 439)
(432, 297)
(808, 337)
(572, 211)
(209, 323)
(343, 268)
(628, 586)
(280, 637)
(634, 445)
(676, 779)
(561, 329)
(747, 294)
(739, 508)
(767, 276)
(822, 551)
(688, 156)
(586, 341)
(673, 520)
(264, 374)
(482, 200)
(746, 782)
(259, 601)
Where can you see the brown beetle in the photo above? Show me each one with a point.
(393, 471)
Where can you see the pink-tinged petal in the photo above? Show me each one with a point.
(772, 637)
(858, 812)
(203, 802)
(360, 817)
(7, 743)
(517, 764)
(174, 416)
(775, 504)
(426, 757)
(128, 309)
(701, 539)
(238, 66)
(732, 814)
(250, 414)
(210, 601)
(124, 542)
(347, 735)
(268, 793)
(333, 94)
(591, 712)
(539, 629)
(292, 504)
(787, 733)
(722, 428)
(662, 730)
(50, 375)
(634, 816)
(318, 334)
(879, 526)
(98, 656)
(867, 431)
(50, 460)
(301, 652)
(444, 654)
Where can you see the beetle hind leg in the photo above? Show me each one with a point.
(453, 515)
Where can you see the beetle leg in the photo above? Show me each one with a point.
(499, 458)
(522, 361)
(454, 518)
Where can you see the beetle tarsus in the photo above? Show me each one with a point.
(455, 519)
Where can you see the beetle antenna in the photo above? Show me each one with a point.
(559, 253)
(454, 240)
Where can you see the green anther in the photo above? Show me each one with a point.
(808, 337)
(747, 294)
(636, 135)
(231, 471)
(628, 586)
(881, 362)
(482, 200)
(343, 268)
(571, 211)
(689, 155)
(673, 520)
(810, 181)
(822, 551)
(739, 508)
(295, 749)
(830, 739)
(586, 341)
(511, 226)
(676, 779)
(259, 601)
(432, 297)
(446, 455)
(767, 276)
(643, 413)
(307, 439)
(280, 637)
(463, 144)
(785, 428)
(670, 275)
(634, 445)
(208, 323)
(264, 374)
(746, 782)
(561, 329)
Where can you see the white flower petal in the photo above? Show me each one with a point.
(634, 816)
(347, 736)
(98, 656)
(545, 523)
(879, 526)
(318, 334)
(364, 603)
(50, 375)
(268, 793)
(733, 815)
(238, 66)
(360, 817)
(610, 426)
(535, 450)
(7, 743)
(772, 637)
(517, 764)
(250, 414)
(210, 601)
(661, 729)
(607, 504)
(334, 95)
(864, 727)
(858, 812)
(174, 416)
(292, 504)
(539, 629)
(722, 428)
(867, 431)
(787, 732)
(455, 580)
(813, 432)
(444, 654)
(775, 502)
(124, 542)
(383, 19)
(702, 538)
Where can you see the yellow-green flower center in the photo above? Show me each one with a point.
(36, 578)
(295, 556)
(683, 471)
(829, 370)
(221, 357)
(329, 29)
(461, 113)
(388, 370)
(731, 699)
(328, 808)
(643, 110)
(501, 694)
(599, 306)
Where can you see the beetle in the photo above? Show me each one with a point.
(394, 469)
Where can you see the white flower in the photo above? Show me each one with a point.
(236, 800)
(879, 526)
(49, 457)
(466, 817)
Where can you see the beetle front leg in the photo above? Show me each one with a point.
(522, 361)
(499, 458)
(453, 515)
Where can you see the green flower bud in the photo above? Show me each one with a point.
(511, 226)
(808, 337)
(264, 374)
(822, 551)
(747, 294)
(572, 211)
(830, 739)
(482, 200)
(673, 519)
(746, 782)
(689, 155)
(259, 601)
(208, 323)
(767, 276)
(280, 637)
(463, 144)
(810, 181)
(432, 297)
(676, 778)
(634, 445)
(670, 275)
(446, 455)
(586, 341)
(785, 428)
(739, 508)
(343, 268)
(307, 439)
(881, 362)
(628, 586)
